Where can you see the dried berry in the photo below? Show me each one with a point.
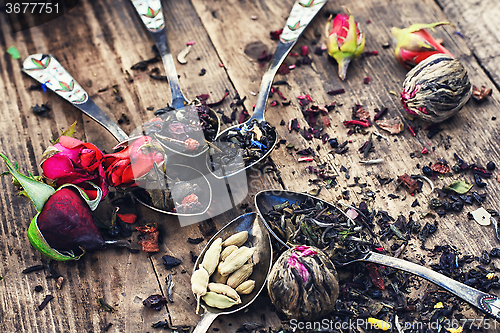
(490, 166)
(427, 171)
(155, 302)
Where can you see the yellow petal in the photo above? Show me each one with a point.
(379, 324)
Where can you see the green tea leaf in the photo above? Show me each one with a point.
(14, 52)
(458, 186)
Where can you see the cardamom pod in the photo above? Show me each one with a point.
(199, 285)
(224, 289)
(218, 278)
(237, 239)
(246, 287)
(235, 260)
(227, 251)
(212, 255)
(199, 281)
(240, 276)
(218, 301)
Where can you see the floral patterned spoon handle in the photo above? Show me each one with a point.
(151, 14)
(487, 303)
(48, 71)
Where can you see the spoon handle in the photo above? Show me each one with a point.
(205, 322)
(487, 303)
(303, 11)
(151, 13)
(45, 69)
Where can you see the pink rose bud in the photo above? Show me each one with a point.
(344, 41)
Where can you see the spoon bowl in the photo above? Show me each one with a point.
(258, 237)
(157, 198)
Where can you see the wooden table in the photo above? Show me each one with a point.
(100, 41)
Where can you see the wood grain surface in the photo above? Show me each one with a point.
(99, 42)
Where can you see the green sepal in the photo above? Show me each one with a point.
(38, 241)
(92, 203)
(37, 191)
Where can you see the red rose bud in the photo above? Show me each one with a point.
(71, 161)
(67, 224)
(64, 223)
(416, 44)
(124, 167)
(344, 41)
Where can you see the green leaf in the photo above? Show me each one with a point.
(37, 191)
(14, 52)
(40, 243)
(458, 186)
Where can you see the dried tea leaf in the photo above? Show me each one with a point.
(393, 125)
(459, 186)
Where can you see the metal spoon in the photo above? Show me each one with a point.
(150, 11)
(45, 69)
(301, 15)
(489, 304)
(257, 237)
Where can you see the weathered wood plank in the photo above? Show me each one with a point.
(476, 21)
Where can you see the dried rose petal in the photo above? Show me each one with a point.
(304, 50)
(191, 144)
(275, 35)
(480, 94)
(425, 150)
(440, 167)
(192, 198)
(498, 177)
(305, 159)
(392, 125)
(375, 276)
(362, 114)
(362, 123)
(366, 80)
(127, 218)
(326, 121)
(149, 240)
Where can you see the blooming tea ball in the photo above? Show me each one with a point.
(436, 88)
(303, 283)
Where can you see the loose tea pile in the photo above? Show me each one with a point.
(185, 129)
(240, 147)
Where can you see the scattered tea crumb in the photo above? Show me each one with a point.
(45, 302)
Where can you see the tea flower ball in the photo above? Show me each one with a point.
(436, 88)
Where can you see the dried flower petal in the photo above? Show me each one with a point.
(480, 94)
(393, 125)
(440, 167)
(409, 183)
